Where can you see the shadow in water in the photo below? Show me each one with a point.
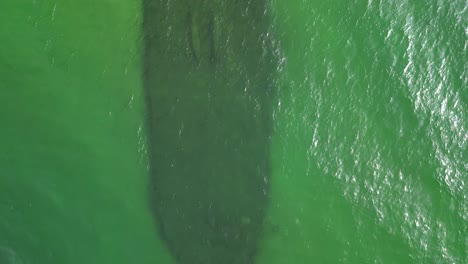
(208, 78)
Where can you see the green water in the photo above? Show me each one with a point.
(368, 148)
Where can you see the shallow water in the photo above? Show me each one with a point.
(368, 142)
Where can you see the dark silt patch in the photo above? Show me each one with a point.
(209, 84)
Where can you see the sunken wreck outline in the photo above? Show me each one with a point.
(227, 235)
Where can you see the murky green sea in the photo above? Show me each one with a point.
(362, 143)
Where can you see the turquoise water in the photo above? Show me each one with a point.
(368, 142)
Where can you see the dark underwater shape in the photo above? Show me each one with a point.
(208, 69)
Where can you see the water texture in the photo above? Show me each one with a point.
(370, 144)
(362, 135)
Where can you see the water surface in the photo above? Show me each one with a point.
(368, 133)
